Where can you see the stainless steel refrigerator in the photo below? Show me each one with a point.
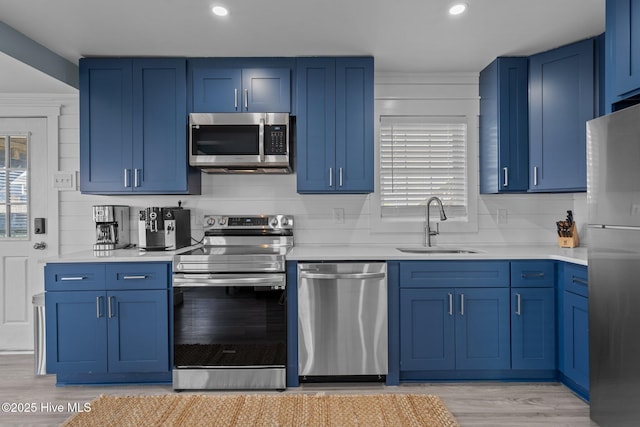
(613, 198)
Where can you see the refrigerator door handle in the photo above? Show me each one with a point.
(615, 227)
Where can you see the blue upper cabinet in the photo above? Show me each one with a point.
(561, 100)
(133, 124)
(623, 51)
(504, 126)
(335, 143)
(228, 86)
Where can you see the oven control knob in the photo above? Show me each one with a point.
(274, 222)
(211, 220)
(285, 221)
(222, 220)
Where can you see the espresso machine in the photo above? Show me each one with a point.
(112, 227)
(164, 229)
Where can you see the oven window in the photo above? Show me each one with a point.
(226, 140)
(229, 326)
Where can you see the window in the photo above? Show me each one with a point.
(421, 157)
(14, 186)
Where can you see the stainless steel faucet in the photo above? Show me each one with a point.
(428, 232)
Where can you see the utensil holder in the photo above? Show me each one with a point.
(570, 242)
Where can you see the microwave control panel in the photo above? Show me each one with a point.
(275, 139)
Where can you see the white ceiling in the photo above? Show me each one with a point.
(402, 35)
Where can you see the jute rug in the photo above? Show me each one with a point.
(393, 410)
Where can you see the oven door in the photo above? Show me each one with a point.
(229, 331)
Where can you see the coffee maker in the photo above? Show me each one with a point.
(164, 229)
(112, 227)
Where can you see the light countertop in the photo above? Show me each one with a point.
(381, 252)
(354, 253)
(118, 255)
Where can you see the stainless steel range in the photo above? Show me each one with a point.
(230, 305)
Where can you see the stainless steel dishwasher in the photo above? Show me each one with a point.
(342, 321)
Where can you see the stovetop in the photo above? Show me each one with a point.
(240, 244)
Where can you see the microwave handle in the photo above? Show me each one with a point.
(235, 98)
(261, 139)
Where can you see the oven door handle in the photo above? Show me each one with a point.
(209, 280)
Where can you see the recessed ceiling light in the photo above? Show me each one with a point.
(458, 8)
(220, 10)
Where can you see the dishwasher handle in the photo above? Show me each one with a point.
(305, 274)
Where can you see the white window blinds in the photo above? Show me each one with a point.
(421, 157)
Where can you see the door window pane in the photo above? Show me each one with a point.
(3, 150)
(14, 186)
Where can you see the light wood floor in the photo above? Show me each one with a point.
(473, 404)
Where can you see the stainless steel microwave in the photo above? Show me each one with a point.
(240, 142)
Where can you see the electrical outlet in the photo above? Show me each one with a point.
(502, 216)
(338, 215)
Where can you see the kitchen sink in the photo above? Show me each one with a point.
(432, 250)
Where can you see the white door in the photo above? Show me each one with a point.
(23, 197)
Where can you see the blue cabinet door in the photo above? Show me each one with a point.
(335, 125)
(482, 329)
(576, 339)
(354, 125)
(426, 330)
(76, 333)
(504, 126)
(266, 90)
(623, 45)
(316, 125)
(160, 163)
(561, 90)
(533, 334)
(106, 125)
(138, 325)
(217, 90)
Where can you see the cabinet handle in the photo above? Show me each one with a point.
(518, 299)
(98, 311)
(68, 279)
(134, 277)
(461, 304)
(126, 177)
(579, 281)
(535, 176)
(110, 306)
(136, 177)
(340, 174)
(235, 98)
(330, 177)
(246, 99)
(505, 171)
(450, 304)
(532, 275)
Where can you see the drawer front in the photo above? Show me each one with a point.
(74, 277)
(469, 274)
(533, 274)
(138, 275)
(576, 279)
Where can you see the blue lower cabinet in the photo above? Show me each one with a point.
(575, 367)
(108, 335)
(76, 332)
(533, 329)
(482, 332)
(454, 329)
(137, 342)
(427, 330)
